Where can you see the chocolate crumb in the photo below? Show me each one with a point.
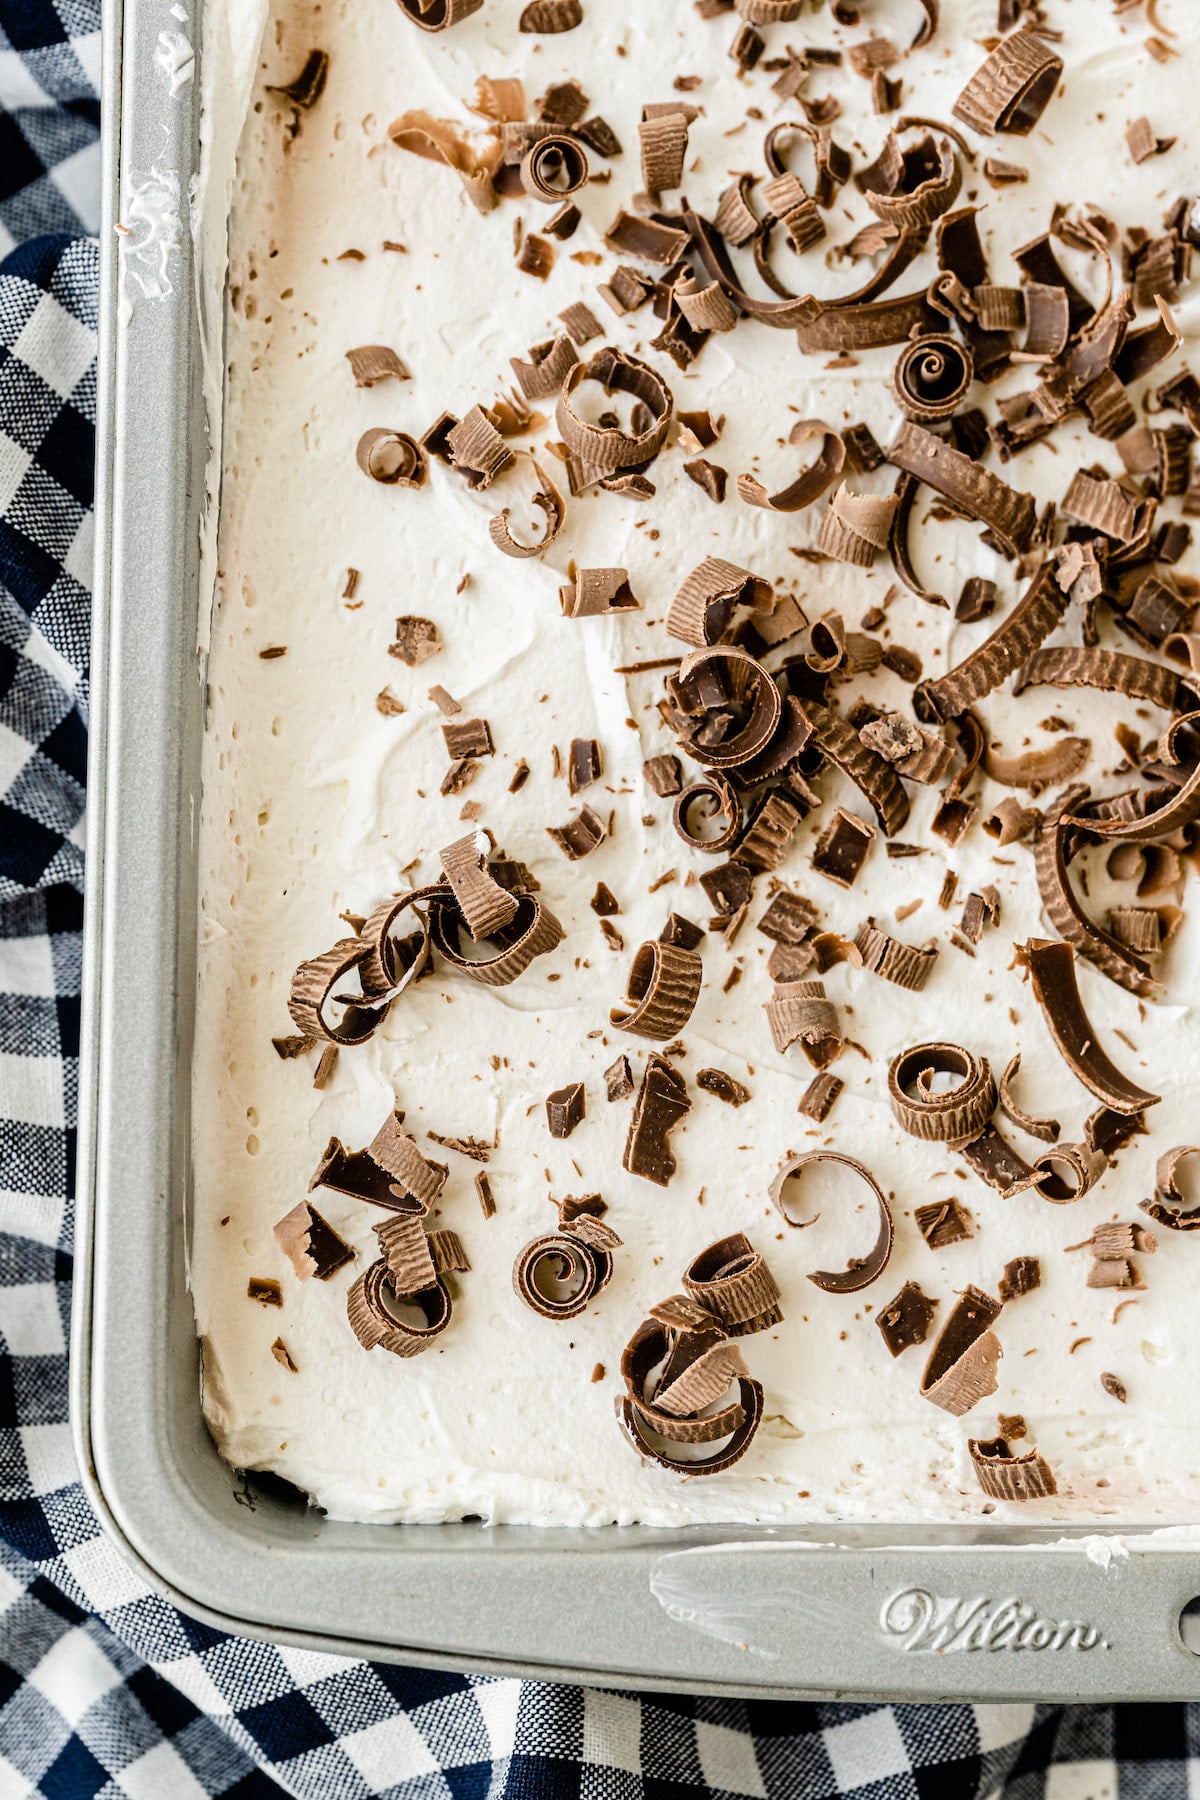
(387, 703)
(264, 1290)
(483, 1188)
(1114, 1386)
(283, 1356)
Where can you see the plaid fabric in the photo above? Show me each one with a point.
(105, 1690)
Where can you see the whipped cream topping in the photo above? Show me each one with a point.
(315, 804)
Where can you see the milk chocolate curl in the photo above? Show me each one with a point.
(549, 501)
(1046, 1129)
(1038, 769)
(800, 1013)
(662, 1102)
(1032, 619)
(743, 686)
(1067, 1172)
(396, 1152)
(1003, 1476)
(602, 450)
(391, 963)
(312, 989)
(406, 1251)
(533, 931)
(559, 1274)
(812, 482)
(552, 169)
(580, 835)
(817, 1100)
(630, 234)
(715, 797)
(680, 1349)
(731, 1280)
(438, 15)
(856, 527)
(1072, 665)
(1010, 91)
(545, 368)
(1166, 1175)
(861, 1271)
(1064, 912)
(905, 1321)
(702, 609)
(842, 848)
(440, 141)
(893, 961)
(838, 741)
(392, 457)
(1052, 971)
(1009, 515)
(663, 987)
(1180, 808)
(477, 449)
(997, 1163)
(911, 191)
(702, 1382)
(310, 1243)
(594, 593)
(372, 1307)
(1105, 507)
(962, 1364)
(547, 17)
(951, 1116)
(931, 378)
(663, 135)
(765, 839)
(375, 362)
(484, 904)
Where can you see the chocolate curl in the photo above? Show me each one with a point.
(439, 15)
(408, 1255)
(799, 1012)
(885, 191)
(953, 1117)
(553, 168)
(663, 987)
(440, 141)
(731, 1281)
(391, 963)
(861, 1271)
(1007, 649)
(1066, 915)
(370, 1307)
(477, 449)
(856, 527)
(705, 308)
(1038, 769)
(663, 135)
(484, 904)
(1046, 1129)
(893, 961)
(1067, 1172)
(1069, 665)
(603, 450)
(741, 682)
(1009, 515)
(396, 1152)
(931, 378)
(1010, 91)
(312, 988)
(581, 835)
(1003, 1476)
(594, 593)
(812, 482)
(371, 363)
(717, 797)
(679, 1348)
(961, 1369)
(1181, 807)
(1052, 971)
(872, 776)
(546, 367)
(548, 499)
(534, 931)
(701, 611)
(561, 1259)
(392, 458)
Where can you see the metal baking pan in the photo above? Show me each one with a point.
(970, 1611)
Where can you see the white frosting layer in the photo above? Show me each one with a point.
(315, 804)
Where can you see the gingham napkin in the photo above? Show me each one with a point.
(105, 1690)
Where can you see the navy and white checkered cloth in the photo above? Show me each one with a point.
(105, 1690)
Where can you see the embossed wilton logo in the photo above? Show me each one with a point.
(940, 1623)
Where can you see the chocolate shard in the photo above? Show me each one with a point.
(1009, 515)
(1020, 1276)
(842, 848)
(584, 764)
(618, 1079)
(860, 1271)
(580, 835)
(662, 1102)
(392, 457)
(283, 1356)
(664, 775)
(263, 1289)
(943, 1222)
(604, 902)
(817, 1100)
(905, 1321)
(1046, 1129)
(684, 932)
(565, 1108)
(725, 1087)
(961, 1369)
(310, 1243)
(789, 919)
(483, 1188)
(1003, 1476)
(468, 737)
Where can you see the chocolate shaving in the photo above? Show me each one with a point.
(812, 482)
(370, 1307)
(856, 527)
(547, 17)
(1010, 90)
(716, 798)
(601, 451)
(1179, 809)
(662, 1102)
(877, 780)
(734, 679)
(469, 737)
(1105, 507)
(663, 135)
(731, 1281)
(484, 904)
(477, 448)
(842, 848)
(1009, 515)
(440, 140)
(1038, 769)
(799, 1012)
(861, 1271)
(1052, 970)
(416, 641)
(326, 1064)
(893, 961)
(953, 1116)
(678, 930)
(905, 1321)
(789, 919)
(1008, 648)
(1021, 1276)
(533, 931)
(1067, 1172)
(819, 1096)
(725, 1087)
(961, 1369)
(1003, 1476)
(310, 1243)
(580, 835)
(702, 610)
(631, 234)
(392, 457)
(375, 362)
(564, 1109)
(546, 367)
(312, 987)
(549, 501)
(594, 593)
(942, 1223)
(931, 377)
(1045, 1129)
(662, 990)
(553, 168)
(996, 1162)
(911, 190)
(765, 839)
